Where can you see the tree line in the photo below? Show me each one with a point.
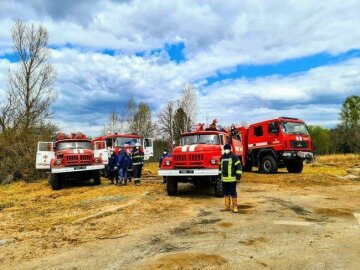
(345, 136)
(176, 117)
(25, 107)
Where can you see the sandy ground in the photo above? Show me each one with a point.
(287, 221)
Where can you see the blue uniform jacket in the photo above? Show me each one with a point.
(112, 161)
(162, 158)
(121, 159)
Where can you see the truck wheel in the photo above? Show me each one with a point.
(55, 181)
(219, 192)
(171, 185)
(97, 178)
(269, 164)
(295, 166)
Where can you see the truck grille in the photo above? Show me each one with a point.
(180, 158)
(188, 160)
(78, 159)
(299, 144)
(196, 158)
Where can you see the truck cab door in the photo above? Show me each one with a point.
(45, 153)
(148, 146)
(100, 150)
(273, 134)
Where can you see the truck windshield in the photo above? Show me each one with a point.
(200, 139)
(126, 141)
(294, 128)
(73, 145)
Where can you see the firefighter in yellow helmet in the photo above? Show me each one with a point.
(230, 172)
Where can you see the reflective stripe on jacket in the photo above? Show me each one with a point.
(137, 157)
(230, 168)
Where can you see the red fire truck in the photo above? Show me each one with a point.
(196, 160)
(276, 143)
(269, 145)
(104, 144)
(69, 157)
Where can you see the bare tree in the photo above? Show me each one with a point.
(115, 123)
(141, 123)
(30, 83)
(166, 121)
(188, 102)
(7, 108)
(179, 124)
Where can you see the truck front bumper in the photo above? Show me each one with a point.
(189, 172)
(77, 169)
(298, 154)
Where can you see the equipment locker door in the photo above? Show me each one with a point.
(100, 150)
(148, 147)
(45, 152)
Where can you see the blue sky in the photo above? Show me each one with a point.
(247, 61)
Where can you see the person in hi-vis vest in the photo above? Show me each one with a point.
(230, 172)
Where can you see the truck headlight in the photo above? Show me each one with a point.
(213, 161)
(58, 162)
(167, 163)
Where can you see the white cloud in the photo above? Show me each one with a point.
(218, 36)
(315, 95)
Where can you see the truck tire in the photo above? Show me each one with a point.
(295, 166)
(56, 181)
(97, 178)
(219, 192)
(268, 165)
(171, 185)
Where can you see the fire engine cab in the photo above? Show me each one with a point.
(197, 158)
(103, 145)
(69, 157)
(276, 143)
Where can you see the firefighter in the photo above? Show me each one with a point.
(121, 163)
(213, 125)
(130, 172)
(235, 133)
(165, 154)
(137, 161)
(230, 172)
(113, 169)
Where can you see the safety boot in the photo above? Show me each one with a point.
(234, 204)
(227, 203)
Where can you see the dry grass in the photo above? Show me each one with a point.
(36, 216)
(339, 159)
(151, 168)
(41, 221)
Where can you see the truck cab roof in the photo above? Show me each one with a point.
(117, 136)
(73, 140)
(280, 119)
(203, 132)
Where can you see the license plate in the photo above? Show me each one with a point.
(186, 171)
(80, 168)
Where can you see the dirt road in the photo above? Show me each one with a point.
(307, 221)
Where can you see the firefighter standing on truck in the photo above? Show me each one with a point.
(137, 161)
(230, 173)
